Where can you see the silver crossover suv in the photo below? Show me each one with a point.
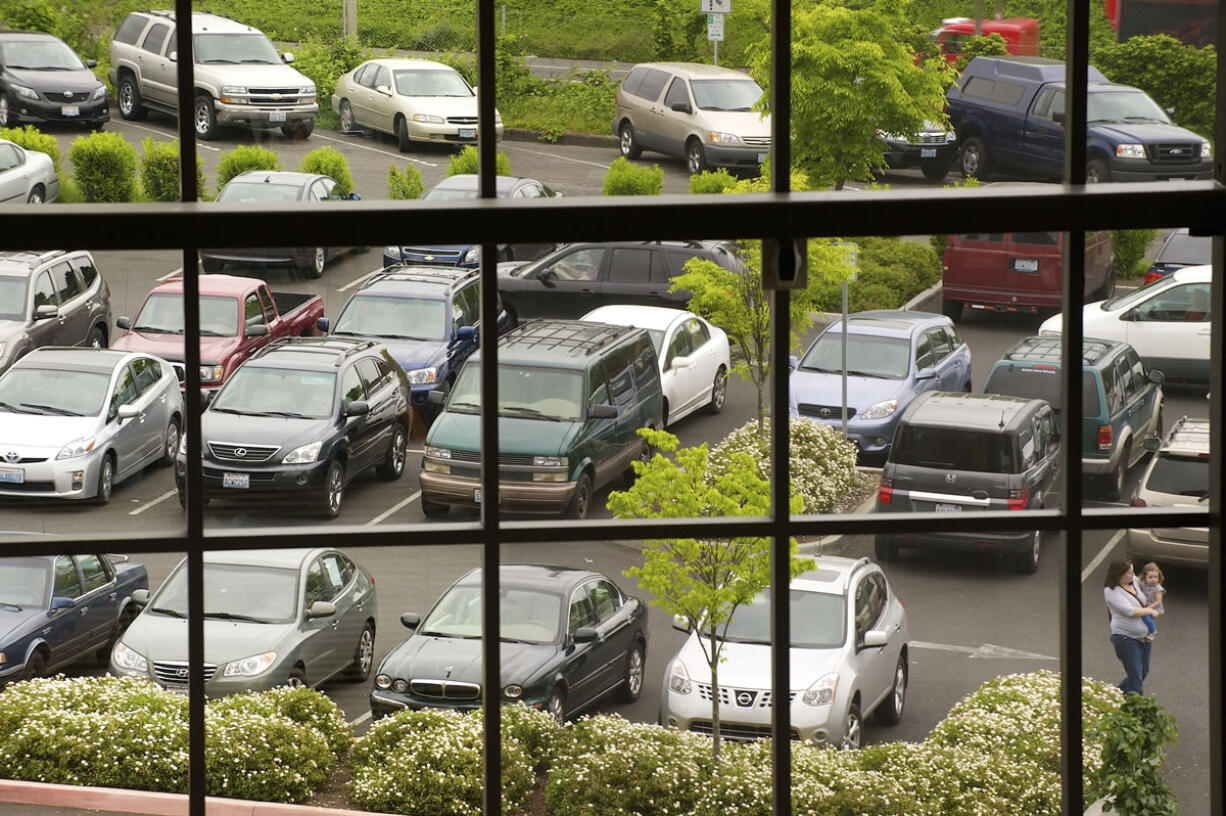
(1177, 477)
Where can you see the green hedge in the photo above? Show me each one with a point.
(159, 170)
(467, 161)
(242, 159)
(626, 178)
(892, 271)
(712, 181)
(31, 138)
(330, 162)
(404, 185)
(104, 167)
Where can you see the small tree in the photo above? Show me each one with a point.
(104, 167)
(1134, 738)
(243, 159)
(330, 162)
(626, 178)
(406, 185)
(989, 45)
(703, 582)
(159, 170)
(466, 161)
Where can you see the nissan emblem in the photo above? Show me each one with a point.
(744, 698)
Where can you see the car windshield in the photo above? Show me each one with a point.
(1180, 476)
(525, 614)
(235, 48)
(523, 391)
(277, 392)
(40, 55)
(1124, 106)
(1182, 248)
(393, 317)
(431, 83)
(53, 391)
(12, 298)
(245, 191)
(24, 582)
(163, 314)
(952, 449)
(725, 94)
(1041, 382)
(264, 594)
(1141, 293)
(867, 355)
(818, 620)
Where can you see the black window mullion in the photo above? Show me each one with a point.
(1217, 482)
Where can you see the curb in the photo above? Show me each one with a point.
(833, 544)
(149, 803)
(582, 139)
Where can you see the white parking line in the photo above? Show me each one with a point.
(171, 136)
(552, 156)
(394, 509)
(986, 651)
(170, 275)
(352, 143)
(359, 720)
(1102, 555)
(156, 501)
(361, 280)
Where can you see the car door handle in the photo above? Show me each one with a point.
(112, 596)
(85, 610)
(336, 624)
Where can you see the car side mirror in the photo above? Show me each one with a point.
(874, 638)
(681, 362)
(1057, 116)
(322, 324)
(89, 63)
(793, 362)
(287, 57)
(357, 408)
(173, 56)
(585, 634)
(321, 609)
(1156, 376)
(60, 602)
(46, 312)
(256, 331)
(206, 396)
(410, 620)
(123, 322)
(353, 197)
(465, 333)
(140, 597)
(436, 398)
(1152, 445)
(384, 89)
(682, 107)
(128, 411)
(602, 411)
(926, 374)
(547, 277)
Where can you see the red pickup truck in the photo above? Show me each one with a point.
(237, 316)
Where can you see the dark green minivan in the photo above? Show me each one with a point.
(571, 398)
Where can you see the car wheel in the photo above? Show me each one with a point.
(128, 97)
(1027, 561)
(579, 502)
(890, 710)
(334, 490)
(853, 729)
(556, 707)
(348, 123)
(402, 135)
(433, 509)
(1097, 171)
(37, 196)
(885, 549)
(719, 391)
(170, 448)
(297, 678)
(951, 309)
(629, 145)
(106, 480)
(695, 158)
(97, 338)
(1113, 488)
(392, 467)
(935, 172)
(298, 130)
(363, 655)
(973, 160)
(314, 262)
(35, 666)
(103, 655)
(646, 452)
(4, 111)
(632, 684)
(204, 117)
(1159, 425)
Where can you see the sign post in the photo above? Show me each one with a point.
(852, 259)
(715, 11)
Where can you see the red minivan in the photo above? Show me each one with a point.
(1019, 271)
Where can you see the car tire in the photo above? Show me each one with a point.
(556, 706)
(646, 452)
(695, 158)
(103, 655)
(719, 392)
(973, 160)
(298, 130)
(433, 509)
(128, 99)
(334, 490)
(106, 480)
(4, 111)
(935, 172)
(1113, 485)
(951, 308)
(403, 142)
(632, 683)
(581, 501)
(1027, 561)
(629, 145)
(890, 710)
(363, 655)
(853, 729)
(96, 339)
(35, 666)
(885, 549)
(37, 195)
(348, 123)
(1097, 171)
(204, 118)
(313, 263)
(392, 468)
(170, 444)
(297, 678)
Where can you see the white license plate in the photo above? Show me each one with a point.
(928, 152)
(276, 116)
(240, 480)
(70, 110)
(12, 475)
(948, 508)
(1025, 265)
(477, 495)
(468, 133)
(761, 158)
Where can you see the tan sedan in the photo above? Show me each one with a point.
(413, 100)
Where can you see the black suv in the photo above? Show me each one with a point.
(304, 416)
(966, 453)
(577, 278)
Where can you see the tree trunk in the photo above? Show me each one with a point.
(715, 710)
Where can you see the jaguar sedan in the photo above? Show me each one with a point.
(26, 175)
(295, 617)
(569, 637)
(74, 422)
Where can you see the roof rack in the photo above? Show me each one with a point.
(1188, 436)
(335, 347)
(548, 335)
(1048, 349)
(688, 243)
(402, 271)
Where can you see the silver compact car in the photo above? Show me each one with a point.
(848, 656)
(295, 617)
(26, 175)
(74, 422)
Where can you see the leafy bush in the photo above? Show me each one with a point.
(466, 161)
(302, 705)
(31, 138)
(1130, 249)
(625, 178)
(1180, 77)
(265, 757)
(990, 45)
(1134, 739)
(404, 185)
(712, 181)
(242, 159)
(104, 167)
(823, 463)
(324, 60)
(159, 170)
(581, 102)
(892, 271)
(330, 162)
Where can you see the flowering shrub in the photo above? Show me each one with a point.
(823, 464)
(302, 705)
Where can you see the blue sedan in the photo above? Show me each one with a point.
(892, 357)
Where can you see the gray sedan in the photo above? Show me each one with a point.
(26, 175)
(271, 617)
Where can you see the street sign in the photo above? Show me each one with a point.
(715, 27)
(716, 6)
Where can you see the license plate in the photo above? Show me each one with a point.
(928, 152)
(276, 116)
(948, 508)
(12, 475)
(1025, 265)
(761, 158)
(70, 110)
(477, 495)
(239, 480)
(468, 133)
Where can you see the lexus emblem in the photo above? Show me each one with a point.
(744, 698)
(950, 478)
(11, 456)
(241, 453)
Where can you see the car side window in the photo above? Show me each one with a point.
(954, 338)
(631, 266)
(531, 191)
(597, 388)
(336, 576)
(67, 584)
(147, 373)
(67, 286)
(605, 598)
(580, 265)
(677, 93)
(370, 374)
(1140, 376)
(698, 333)
(1026, 439)
(9, 157)
(617, 372)
(1111, 388)
(366, 75)
(332, 191)
(89, 272)
(644, 362)
(870, 603)
(941, 347)
(382, 77)
(270, 311)
(677, 260)
(131, 29)
(580, 611)
(1189, 302)
(253, 312)
(466, 307)
(44, 291)
(95, 573)
(923, 353)
(653, 82)
(352, 388)
(156, 38)
(1042, 104)
(632, 81)
(1123, 376)
(678, 346)
(319, 584)
(125, 392)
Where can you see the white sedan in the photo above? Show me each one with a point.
(1166, 321)
(693, 355)
(26, 175)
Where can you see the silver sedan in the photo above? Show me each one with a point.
(26, 175)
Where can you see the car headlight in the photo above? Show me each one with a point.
(473, 255)
(1206, 150)
(1049, 332)
(513, 692)
(723, 138)
(422, 376)
(394, 251)
(130, 659)
(438, 453)
(880, 410)
(233, 95)
(304, 455)
(228, 90)
(249, 666)
(428, 118)
(308, 90)
(382, 681)
(99, 92)
(1130, 151)
(211, 373)
(77, 447)
(821, 692)
(400, 685)
(22, 90)
(679, 678)
(550, 461)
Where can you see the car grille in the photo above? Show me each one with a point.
(426, 255)
(461, 120)
(519, 460)
(173, 674)
(742, 698)
(28, 487)
(24, 460)
(737, 731)
(445, 689)
(1174, 152)
(929, 138)
(275, 96)
(824, 411)
(237, 452)
(757, 141)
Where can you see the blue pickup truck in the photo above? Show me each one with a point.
(1008, 113)
(57, 609)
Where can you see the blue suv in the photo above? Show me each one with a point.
(892, 358)
(427, 316)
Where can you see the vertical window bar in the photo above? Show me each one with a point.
(781, 96)
(1217, 482)
(1076, 68)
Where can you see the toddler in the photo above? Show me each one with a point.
(1154, 592)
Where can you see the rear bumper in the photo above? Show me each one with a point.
(1011, 542)
(1149, 544)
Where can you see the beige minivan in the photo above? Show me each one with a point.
(700, 112)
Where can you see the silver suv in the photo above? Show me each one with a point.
(240, 79)
(1177, 477)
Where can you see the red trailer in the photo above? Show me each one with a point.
(1021, 35)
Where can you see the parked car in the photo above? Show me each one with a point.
(43, 80)
(300, 420)
(1166, 321)
(849, 659)
(933, 150)
(966, 453)
(238, 316)
(58, 609)
(414, 100)
(265, 187)
(702, 113)
(569, 638)
(296, 617)
(26, 175)
(893, 356)
(579, 277)
(240, 78)
(571, 398)
(79, 421)
(1177, 477)
(427, 315)
(1121, 401)
(463, 186)
(693, 355)
(1179, 250)
(52, 298)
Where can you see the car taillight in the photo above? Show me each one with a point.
(1104, 437)
(885, 490)
(1137, 502)
(1152, 275)
(1018, 498)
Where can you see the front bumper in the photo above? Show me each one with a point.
(289, 481)
(446, 133)
(550, 498)
(726, 156)
(264, 117)
(907, 154)
(53, 478)
(23, 110)
(872, 437)
(820, 725)
(1143, 170)
(215, 685)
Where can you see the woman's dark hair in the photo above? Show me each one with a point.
(1115, 571)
